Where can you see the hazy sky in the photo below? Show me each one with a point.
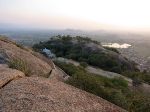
(77, 14)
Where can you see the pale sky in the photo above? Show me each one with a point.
(77, 14)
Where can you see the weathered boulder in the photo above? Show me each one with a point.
(8, 74)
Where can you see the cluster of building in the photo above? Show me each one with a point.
(142, 61)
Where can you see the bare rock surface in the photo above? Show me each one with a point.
(8, 74)
(35, 64)
(3, 57)
(36, 94)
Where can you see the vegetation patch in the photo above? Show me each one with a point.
(138, 77)
(19, 64)
(63, 47)
(46, 75)
(95, 84)
(115, 90)
(18, 45)
(84, 64)
(79, 38)
(112, 49)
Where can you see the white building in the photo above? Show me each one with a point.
(48, 52)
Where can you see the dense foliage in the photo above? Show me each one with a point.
(79, 38)
(115, 90)
(138, 77)
(110, 89)
(83, 64)
(112, 49)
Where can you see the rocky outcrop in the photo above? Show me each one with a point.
(89, 46)
(46, 95)
(3, 57)
(10, 50)
(8, 74)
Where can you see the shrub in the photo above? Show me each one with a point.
(119, 81)
(69, 68)
(116, 69)
(19, 45)
(112, 49)
(84, 64)
(139, 99)
(137, 81)
(59, 54)
(137, 77)
(19, 64)
(46, 75)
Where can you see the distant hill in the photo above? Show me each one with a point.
(73, 30)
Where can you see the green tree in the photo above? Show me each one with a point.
(59, 54)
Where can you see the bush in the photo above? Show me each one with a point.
(19, 45)
(112, 49)
(139, 100)
(19, 64)
(46, 75)
(59, 54)
(69, 68)
(137, 77)
(117, 97)
(84, 64)
(136, 81)
(119, 81)
(116, 69)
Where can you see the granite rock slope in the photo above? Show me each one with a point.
(8, 74)
(10, 50)
(37, 94)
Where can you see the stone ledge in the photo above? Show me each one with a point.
(8, 74)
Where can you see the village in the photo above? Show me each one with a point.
(143, 62)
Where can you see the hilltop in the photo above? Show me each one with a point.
(84, 49)
(27, 89)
